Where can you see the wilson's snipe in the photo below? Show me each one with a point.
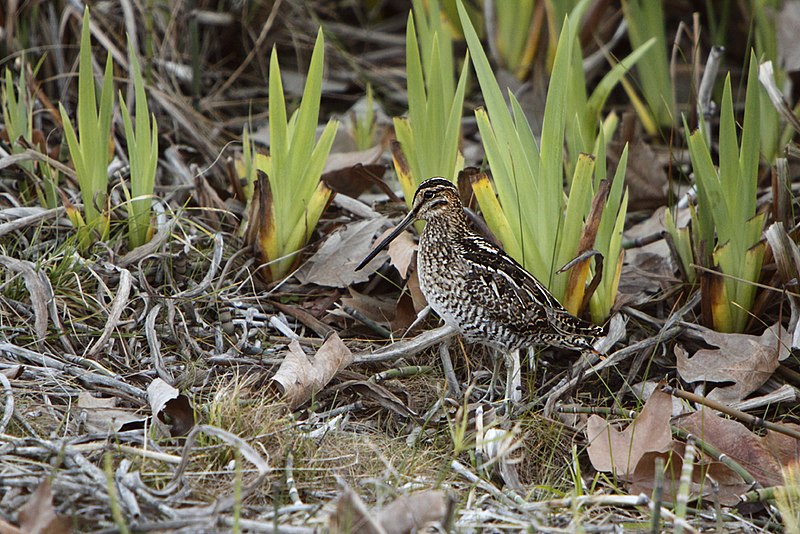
(476, 287)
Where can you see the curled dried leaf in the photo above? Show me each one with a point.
(172, 411)
(299, 377)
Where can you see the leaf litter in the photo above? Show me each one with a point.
(747, 361)
(146, 379)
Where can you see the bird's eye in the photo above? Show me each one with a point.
(427, 195)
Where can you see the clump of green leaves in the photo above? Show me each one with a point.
(17, 110)
(726, 230)
(527, 209)
(142, 155)
(89, 148)
(429, 137)
(289, 198)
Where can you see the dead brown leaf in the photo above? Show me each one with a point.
(405, 515)
(413, 513)
(5, 526)
(645, 177)
(345, 160)
(648, 268)
(747, 361)
(729, 485)
(785, 448)
(102, 414)
(305, 317)
(401, 252)
(300, 377)
(397, 313)
(379, 309)
(756, 454)
(416, 292)
(352, 173)
(404, 313)
(172, 411)
(38, 516)
(353, 181)
(613, 451)
(334, 263)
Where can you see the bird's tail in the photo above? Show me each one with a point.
(574, 333)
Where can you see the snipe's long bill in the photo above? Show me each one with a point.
(405, 223)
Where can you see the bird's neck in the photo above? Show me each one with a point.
(450, 225)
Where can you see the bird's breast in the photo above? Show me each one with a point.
(441, 280)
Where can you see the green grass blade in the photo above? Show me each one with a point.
(603, 89)
(302, 142)
(728, 176)
(750, 146)
(72, 142)
(87, 102)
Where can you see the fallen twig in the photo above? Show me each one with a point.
(406, 348)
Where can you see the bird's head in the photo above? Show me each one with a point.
(435, 197)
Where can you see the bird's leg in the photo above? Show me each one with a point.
(532, 361)
(513, 376)
(495, 376)
(453, 389)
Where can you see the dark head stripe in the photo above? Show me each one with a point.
(436, 185)
(435, 182)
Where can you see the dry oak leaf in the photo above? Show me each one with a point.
(747, 361)
(761, 457)
(729, 485)
(379, 394)
(785, 448)
(352, 515)
(13, 372)
(300, 377)
(646, 177)
(613, 451)
(353, 172)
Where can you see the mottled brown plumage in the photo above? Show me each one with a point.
(476, 287)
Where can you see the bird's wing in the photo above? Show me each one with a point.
(503, 287)
(500, 281)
